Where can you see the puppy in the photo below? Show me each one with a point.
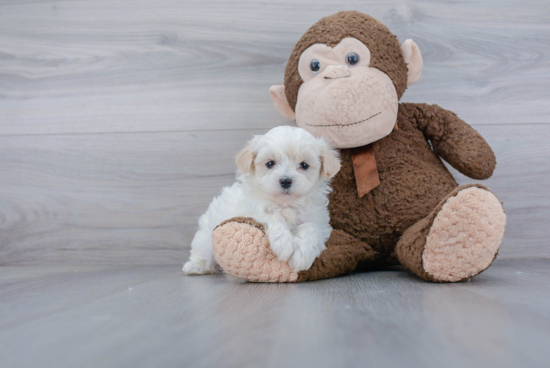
(283, 183)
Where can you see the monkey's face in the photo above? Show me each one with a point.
(343, 99)
(344, 78)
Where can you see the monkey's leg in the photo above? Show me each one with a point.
(458, 240)
(241, 248)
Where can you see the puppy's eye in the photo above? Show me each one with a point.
(304, 165)
(270, 164)
(315, 65)
(352, 58)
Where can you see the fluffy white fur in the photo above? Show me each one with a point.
(296, 219)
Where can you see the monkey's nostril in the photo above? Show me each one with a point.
(285, 183)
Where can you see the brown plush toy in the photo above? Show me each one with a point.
(393, 201)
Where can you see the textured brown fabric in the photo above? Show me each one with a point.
(413, 180)
(411, 245)
(342, 256)
(452, 139)
(384, 47)
(365, 169)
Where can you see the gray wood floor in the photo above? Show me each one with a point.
(153, 316)
(119, 121)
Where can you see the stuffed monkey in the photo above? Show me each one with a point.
(393, 202)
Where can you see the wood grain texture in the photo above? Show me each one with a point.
(153, 316)
(107, 198)
(136, 198)
(119, 122)
(110, 66)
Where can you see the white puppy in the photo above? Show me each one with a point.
(283, 183)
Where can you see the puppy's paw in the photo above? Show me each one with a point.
(303, 256)
(281, 245)
(193, 268)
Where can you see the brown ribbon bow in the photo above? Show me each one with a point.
(365, 169)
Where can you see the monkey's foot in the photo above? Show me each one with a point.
(458, 240)
(242, 249)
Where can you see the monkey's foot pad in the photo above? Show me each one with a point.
(242, 249)
(465, 236)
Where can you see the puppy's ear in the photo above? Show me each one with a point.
(330, 160)
(245, 158)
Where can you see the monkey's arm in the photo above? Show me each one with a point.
(455, 141)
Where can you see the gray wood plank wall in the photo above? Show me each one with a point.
(119, 120)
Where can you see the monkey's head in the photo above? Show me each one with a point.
(344, 79)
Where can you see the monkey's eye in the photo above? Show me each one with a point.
(352, 58)
(315, 65)
(304, 165)
(270, 164)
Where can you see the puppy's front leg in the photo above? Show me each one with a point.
(280, 237)
(309, 243)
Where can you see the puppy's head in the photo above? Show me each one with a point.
(288, 162)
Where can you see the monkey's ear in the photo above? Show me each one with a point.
(277, 94)
(330, 160)
(245, 158)
(413, 59)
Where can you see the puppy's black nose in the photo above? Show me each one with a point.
(285, 183)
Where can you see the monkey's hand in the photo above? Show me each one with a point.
(455, 141)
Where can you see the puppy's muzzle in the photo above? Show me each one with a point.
(286, 183)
